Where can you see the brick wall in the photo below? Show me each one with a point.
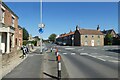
(7, 18)
(20, 36)
(16, 33)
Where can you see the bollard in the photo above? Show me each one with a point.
(51, 49)
(59, 67)
(57, 56)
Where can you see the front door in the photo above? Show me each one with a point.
(92, 42)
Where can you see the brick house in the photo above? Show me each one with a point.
(110, 31)
(82, 37)
(114, 35)
(9, 35)
(88, 37)
(20, 36)
(66, 38)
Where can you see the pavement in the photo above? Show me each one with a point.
(15, 67)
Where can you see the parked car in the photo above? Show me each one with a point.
(64, 44)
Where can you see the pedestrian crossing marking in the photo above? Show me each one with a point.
(83, 53)
(72, 53)
(69, 48)
(64, 53)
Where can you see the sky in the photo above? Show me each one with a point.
(61, 17)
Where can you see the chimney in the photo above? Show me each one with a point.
(70, 31)
(77, 27)
(98, 28)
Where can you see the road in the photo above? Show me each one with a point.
(90, 62)
(31, 67)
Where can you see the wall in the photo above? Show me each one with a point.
(89, 38)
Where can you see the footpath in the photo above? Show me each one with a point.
(50, 67)
(9, 64)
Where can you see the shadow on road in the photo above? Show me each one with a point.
(51, 60)
(114, 50)
(54, 77)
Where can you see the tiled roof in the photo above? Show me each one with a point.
(90, 32)
(107, 31)
(64, 35)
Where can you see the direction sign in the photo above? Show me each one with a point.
(40, 30)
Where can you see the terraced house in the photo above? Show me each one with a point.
(9, 31)
(83, 37)
(66, 39)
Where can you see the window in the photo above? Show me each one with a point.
(86, 43)
(13, 20)
(3, 15)
(98, 36)
(16, 41)
(86, 36)
(92, 36)
(98, 42)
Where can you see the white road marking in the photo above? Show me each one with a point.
(64, 53)
(97, 57)
(101, 59)
(69, 48)
(54, 49)
(113, 61)
(113, 57)
(83, 53)
(80, 49)
(72, 53)
(93, 53)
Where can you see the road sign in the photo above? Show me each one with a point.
(40, 30)
(41, 25)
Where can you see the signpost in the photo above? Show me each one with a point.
(41, 26)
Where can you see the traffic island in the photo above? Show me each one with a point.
(51, 67)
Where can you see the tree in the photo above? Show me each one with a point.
(52, 37)
(25, 34)
(37, 38)
(108, 39)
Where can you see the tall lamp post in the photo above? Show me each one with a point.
(41, 26)
(72, 41)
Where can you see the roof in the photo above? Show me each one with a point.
(19, 27)
(90, 32)
(3, 4)
(107, 31)
(68, 34)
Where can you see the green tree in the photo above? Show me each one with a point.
(52, 37)
(25, 34)
(108, 39)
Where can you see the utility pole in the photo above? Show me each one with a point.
(41, 26)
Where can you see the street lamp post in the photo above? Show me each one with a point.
(72, 41)
(41, 26)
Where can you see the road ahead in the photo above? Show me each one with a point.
(90, 62)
